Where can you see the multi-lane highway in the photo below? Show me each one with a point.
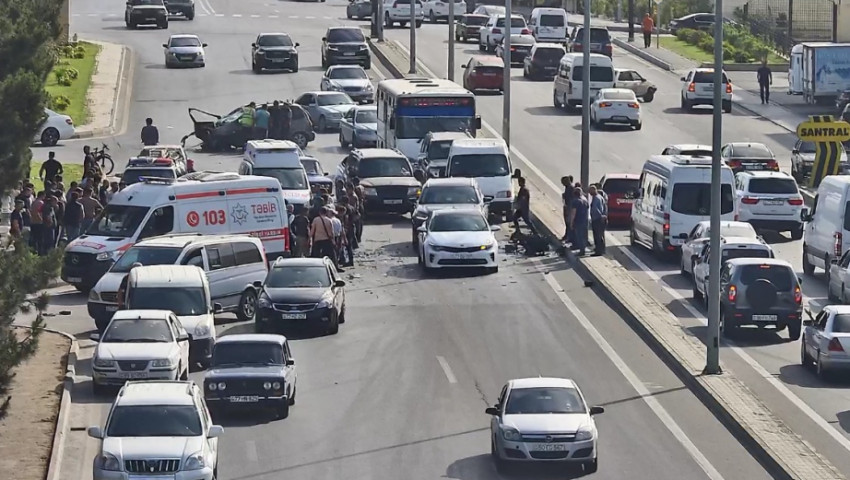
(401, 390)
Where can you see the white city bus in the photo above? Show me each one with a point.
(409, 108)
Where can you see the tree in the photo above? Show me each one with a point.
(28, 29)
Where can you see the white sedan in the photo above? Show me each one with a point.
(826, 340)
(140, 345)
(699, 236)
(458, 238)
(54, 128)
(616, 105)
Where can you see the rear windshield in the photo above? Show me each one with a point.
(751, 151)
(475, 20)
(489, 69)
(479, 165)
(597, 35)
(730, 253)
(516, 22)
(695, 199)
(696, 153)
(629, 95)
(549, 54)
(780, 276)
(707, 77)
(773, 185)
(841, 323)
(341, 35)
(620, 185)
(135, 175)
(553, 21)
(597, 74)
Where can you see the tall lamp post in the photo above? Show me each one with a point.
(412, 36)
(506, 57)
(450, 68)
(585, 98)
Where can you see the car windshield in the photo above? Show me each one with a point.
(516, 22)
(313, 167)
(618, 95)
(347, 73)
(137, 330)
(773, 185)
(344, 35)
(553, 54)
(735, 230)
(755, 150)
(241, 353)
(707, 77)
(841, 323)
(118, 221)
(619, 186)
(383, 167)
(155, 421)
(448, 195)
(730, 253)
(183, 301)
(553, 21)
(418, 127)
(479, 165)
(807, 147)
(160, 152)
(439, 150)
(185, 42)
(146, 256)
(458, 222)
(597, 74)
(695, 199)
(135, 175)
(289, 178)
(535, 401)
(309, 276)
(146, 2)
(274, 41)
(782, 277)
(597, 35)
(470, 20)
(367, 116)
(329, 99)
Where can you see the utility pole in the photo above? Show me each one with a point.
(373, 30)
(380, 20)
(712, 340)
(412, 36)
(631, 14)
(585, 98)
(619, 14)
(451, 66)
(506, 57)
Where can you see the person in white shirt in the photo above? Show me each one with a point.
(337, 232)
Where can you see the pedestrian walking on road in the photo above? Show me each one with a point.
(648, 24)
(321, 235)
(523, 206)
(150, 134)
(598, 219)
(765, 79)
(301, 230)
(578, 220)
(567, 199)
(49, 169)
(275, 121)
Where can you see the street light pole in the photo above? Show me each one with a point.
(585, 98)
(380, 20)
(451, 66)
(506, 57)
(413, 36)
(712, 341)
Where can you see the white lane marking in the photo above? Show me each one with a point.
(251, 450)
(237, 15)
(255, 16)
(203, 7)
(309, 17)
(293, 16)
(219, 14)
(92, 14)
(447, 369)
(632, 378)
(611, 240)
(112, 15)
(328, 18)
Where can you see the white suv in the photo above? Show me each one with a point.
(491, 34)
(769, 201)
(730, 248)
(157, 429)
(439, 9)
(398, 11)
(698, 89)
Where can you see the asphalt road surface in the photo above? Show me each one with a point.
(401, 390)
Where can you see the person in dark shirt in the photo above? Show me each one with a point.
(88, 159)
(72, 220)
(301, 230)
(522, 206)
(49, 169)
(567, 199)
(26, 198)
(765, 79)
(578, 220)
(16, 220)
(150, 134)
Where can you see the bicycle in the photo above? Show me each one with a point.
(102, 157)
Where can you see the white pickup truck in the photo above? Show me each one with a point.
(492, 33)
(398, 11)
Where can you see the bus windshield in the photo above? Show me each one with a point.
(418, 127)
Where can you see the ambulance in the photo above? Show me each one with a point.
(280, 159)
(203, 202)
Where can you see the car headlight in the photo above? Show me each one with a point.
(511, 434)
(370, 191)
(162, 363)
(221, 386)
(212, 386)
(335, 115)
(267, 386)
(94, 296)
(260, 51)
(325, 303)
(368, 87)
(202, 330)
(334, 49)
(420, 215)
(276, 386)
(488, 245)
(584, 433)
(363, 47)
(113, 255)
(264, 301)
(195, 461)
(103, 363)
(413, 191)
(109, 462)
(504, 194)
(436, 248)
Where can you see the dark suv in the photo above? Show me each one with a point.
(185, 8)
(761, 292)
(145, 12)
(600, 41)
(345, 45)
(274, 50)
(386, 177)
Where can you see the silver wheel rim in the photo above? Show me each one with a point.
(300, 139)
(248, 308)
(51, 136)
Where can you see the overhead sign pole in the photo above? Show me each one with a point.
(657, 23)
(827, 134)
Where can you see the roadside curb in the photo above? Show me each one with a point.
(640, 53)
(118, 112)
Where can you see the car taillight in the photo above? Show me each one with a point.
(733, 293)
(837, 245)
(513, 49)
(795, 201)
(609, 48)
(69, 121)
(733, 163)
(692, 87)
(666, 228)
(728, 88)
(605, 104)
(773, 165)
(497, 30)
(835, 346)
(525, 31)
(577, 46)
(798, 295)
(634, 105)
(749, 200)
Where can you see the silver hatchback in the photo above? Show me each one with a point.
(184, 51)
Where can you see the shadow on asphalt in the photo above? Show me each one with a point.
(545, 111)
(480, 467)
(291, 331)
(801, 376)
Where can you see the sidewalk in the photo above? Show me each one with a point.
(104, 95)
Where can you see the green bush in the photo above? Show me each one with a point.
(79, 52)
(59, 103)
(729, 51)
(706, 44)
(66, 51)
(739, 44)
(684, 34)
(62, 77)
(741, 56)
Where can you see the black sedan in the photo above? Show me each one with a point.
(250, 370)
(301, 291)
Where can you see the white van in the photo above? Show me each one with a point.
(204, 202)
(280, 159)
(567, 87)
(549, 25)
(488, 161)
(184, 290)
(674, 195)
(826, 235)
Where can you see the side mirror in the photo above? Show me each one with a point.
(833, 261)
(215, 431)
(339, 283)
(258, 284)
(326, 174)
(682, 79)
(805, 216)
(422, 229)
(217, 308)
(795, 152)
(297, 44)
(464, 65)
(164, 45)
(95, 432)
(290, 362)
(204, 45)
(495, 228)
(324, 39)
(808, 323)
(478, 122)
(254, 45)
(597, 410)
(94, 337)
(419, 176)
(491, 411)
(183, 337)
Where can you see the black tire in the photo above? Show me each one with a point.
(501, 465)
(255, 67)
(367, 65)
(797, 233)
(324, 64)
(808, 268)
(727, 107)
(342, 315)
(348, 14)
(333, 328)
(191, 16)
(794, 330)
(649, 96)
(820, 369)
(728, 328)
(185, 374)
(247, 306)
(294, 68)
(106, 163)
(260, 327)
(49, 137)
(98, 390)
(283, 410)
(300, 139)
(292, 396)
(805, 359)
(321, 125)
(132, 25)
(638, 125)
(387, 22)
(432, 18)
(418, 23)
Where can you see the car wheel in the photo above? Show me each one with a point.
(418, 23)
(432, 18)
(794, 331)
(414, 239)
(820, 368)
(808, 268)
(632, 236)
(682, 270)
(185, 374)
(132, 25)
(387, 22)
(294, 68)
(727, 107)
(797, 232)
(348, 14)
(256, 68)
(367, 65)
(321, 125)
(491, 270)
(638, 125)
(728, 327)
(191, 15)
(805, 360)
(300, 139)
(292, 396)
(98, 389)
(333, 328)
(500, 464)
(342, 142)
(260, 327)
(324, 63)
(49, 137)
(342, 315)
(649, 96)
(247, 306)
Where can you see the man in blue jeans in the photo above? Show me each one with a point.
(578, 220)
(598, 219)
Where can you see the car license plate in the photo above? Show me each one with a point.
(75, 280)
(151, 19)
(392, 202)
(278, 60)
(621, 201)
(549, 447)
(244, 399)
(349, 54)
(764, 318)
(133, 375)
(774, 202)
(112, 308)
(463, 256)
(293, 316)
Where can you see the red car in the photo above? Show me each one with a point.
(484, 73)
(620, 188)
